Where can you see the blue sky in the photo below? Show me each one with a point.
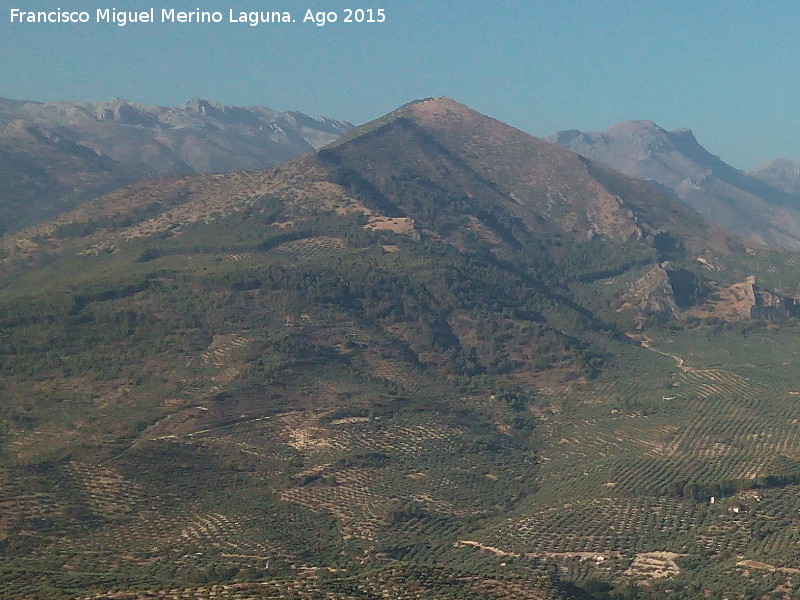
(727, 70)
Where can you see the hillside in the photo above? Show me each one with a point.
(755, 207)
(438, 358)
(55, 155)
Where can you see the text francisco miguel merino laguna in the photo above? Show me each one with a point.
(168, 15)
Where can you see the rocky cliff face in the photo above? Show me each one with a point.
(746, 300)
(651, 294)
(677, 293)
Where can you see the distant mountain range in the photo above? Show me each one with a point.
(763, 205)
(55, 155)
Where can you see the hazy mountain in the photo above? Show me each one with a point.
(676, 163)
(779, 173)
(57, 154)
(437, 358)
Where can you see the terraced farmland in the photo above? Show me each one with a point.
(690, 423)
(315, 246)
(627, 463)
(607, 526)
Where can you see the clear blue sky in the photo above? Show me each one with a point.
(730, 71)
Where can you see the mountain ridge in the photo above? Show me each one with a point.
(59, 154)
(534, 199)
(676, 163)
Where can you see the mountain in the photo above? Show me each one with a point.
(436, 358)
(675, 163)
(780, 173)
(55, 155)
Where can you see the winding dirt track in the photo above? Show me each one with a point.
(679, 362)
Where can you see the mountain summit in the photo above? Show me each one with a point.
(779, 173)
(543, 187)
(675, 163)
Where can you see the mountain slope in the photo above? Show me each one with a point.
(544, 188)
(675, 163)
(60, 153)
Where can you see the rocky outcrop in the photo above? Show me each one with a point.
(745, 300)
(651, 294)
(679, 293)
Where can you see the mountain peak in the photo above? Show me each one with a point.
(780, 173)
(437, 106)
(785, 164)
(684, 137)
(635, 126)
(124, 112)
(645, 130)
(424, 111)
(441, 111)
(639, 137)
(473, 155)
(676, 163)
(202, 105)
(116, 101)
